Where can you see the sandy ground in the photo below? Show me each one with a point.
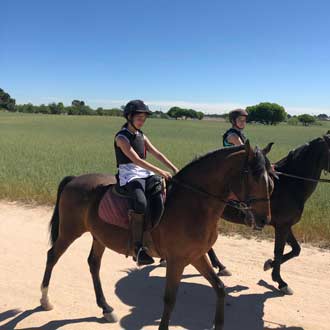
(252, 303)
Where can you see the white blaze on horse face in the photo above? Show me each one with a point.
(267, 181)
(267, 178)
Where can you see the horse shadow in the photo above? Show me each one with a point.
(51, 325)
(195, 305)
(194, 309)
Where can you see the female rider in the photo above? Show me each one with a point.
(135, 173)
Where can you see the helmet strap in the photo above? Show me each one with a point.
(131, 122)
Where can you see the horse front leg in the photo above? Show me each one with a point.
(223, 271)
(205, 268)
(295, 252)
(281, 235)
(174, 272)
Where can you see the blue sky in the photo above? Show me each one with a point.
(209, 55)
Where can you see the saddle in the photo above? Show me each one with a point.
(115, 204)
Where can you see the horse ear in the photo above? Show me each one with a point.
(267, 149)
(248, 150)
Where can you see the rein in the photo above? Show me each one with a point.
(302, 178)
(236, 204)
(244, 205)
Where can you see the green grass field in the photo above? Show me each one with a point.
(37, 151)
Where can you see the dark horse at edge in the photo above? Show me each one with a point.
(287, 202)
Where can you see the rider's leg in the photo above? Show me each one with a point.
(136, 189)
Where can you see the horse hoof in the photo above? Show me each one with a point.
(162, 263)
(286, 290)
(268, 265)
(46, 305)
(111, 317)
(224, 272)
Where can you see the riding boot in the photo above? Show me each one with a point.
(137, 226)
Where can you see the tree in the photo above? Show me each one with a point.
(72, 110)
(322, 116)
(293, 120)
(6, 102)
(61, 108)
(79, 108)
(77, 103)
(45, 109)
(99, 111)
(26, 108)
(200, 115)
(56, 109)
(177, 112)
(174, 112)
(306, 119)
(266, 113)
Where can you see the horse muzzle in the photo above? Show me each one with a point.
(260, 222)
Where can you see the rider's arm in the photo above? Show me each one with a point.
(129, 152)
(158, 155)
(234, 139)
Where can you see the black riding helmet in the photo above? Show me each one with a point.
(234, 114)
(134, 107)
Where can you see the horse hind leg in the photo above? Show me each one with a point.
(94, 262)
(53, 255)
(223, 271)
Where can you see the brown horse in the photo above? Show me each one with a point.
(288, 201)
(189, 223)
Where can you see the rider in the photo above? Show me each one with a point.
(235, 136)
(135, 174)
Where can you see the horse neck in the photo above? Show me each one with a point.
(309, 166)
(213, 176)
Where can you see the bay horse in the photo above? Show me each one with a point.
(287, 202)
(189, 223)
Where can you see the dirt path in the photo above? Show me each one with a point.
(252, 304)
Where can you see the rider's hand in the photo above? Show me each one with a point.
(166, 175)
(175, 170)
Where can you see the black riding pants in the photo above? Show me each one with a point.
(140, 190)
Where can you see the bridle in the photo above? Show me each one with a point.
(246, 203)
(242, 205)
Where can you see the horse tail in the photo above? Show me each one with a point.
(55, 220)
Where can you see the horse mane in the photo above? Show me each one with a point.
(225, 151)
(296, 155)
(257, 165)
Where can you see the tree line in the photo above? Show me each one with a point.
(266, 113)
(77, 108)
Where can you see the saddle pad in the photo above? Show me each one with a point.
(113, 209)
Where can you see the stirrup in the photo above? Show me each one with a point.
(147, 259)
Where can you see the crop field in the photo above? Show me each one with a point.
(37, 151)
